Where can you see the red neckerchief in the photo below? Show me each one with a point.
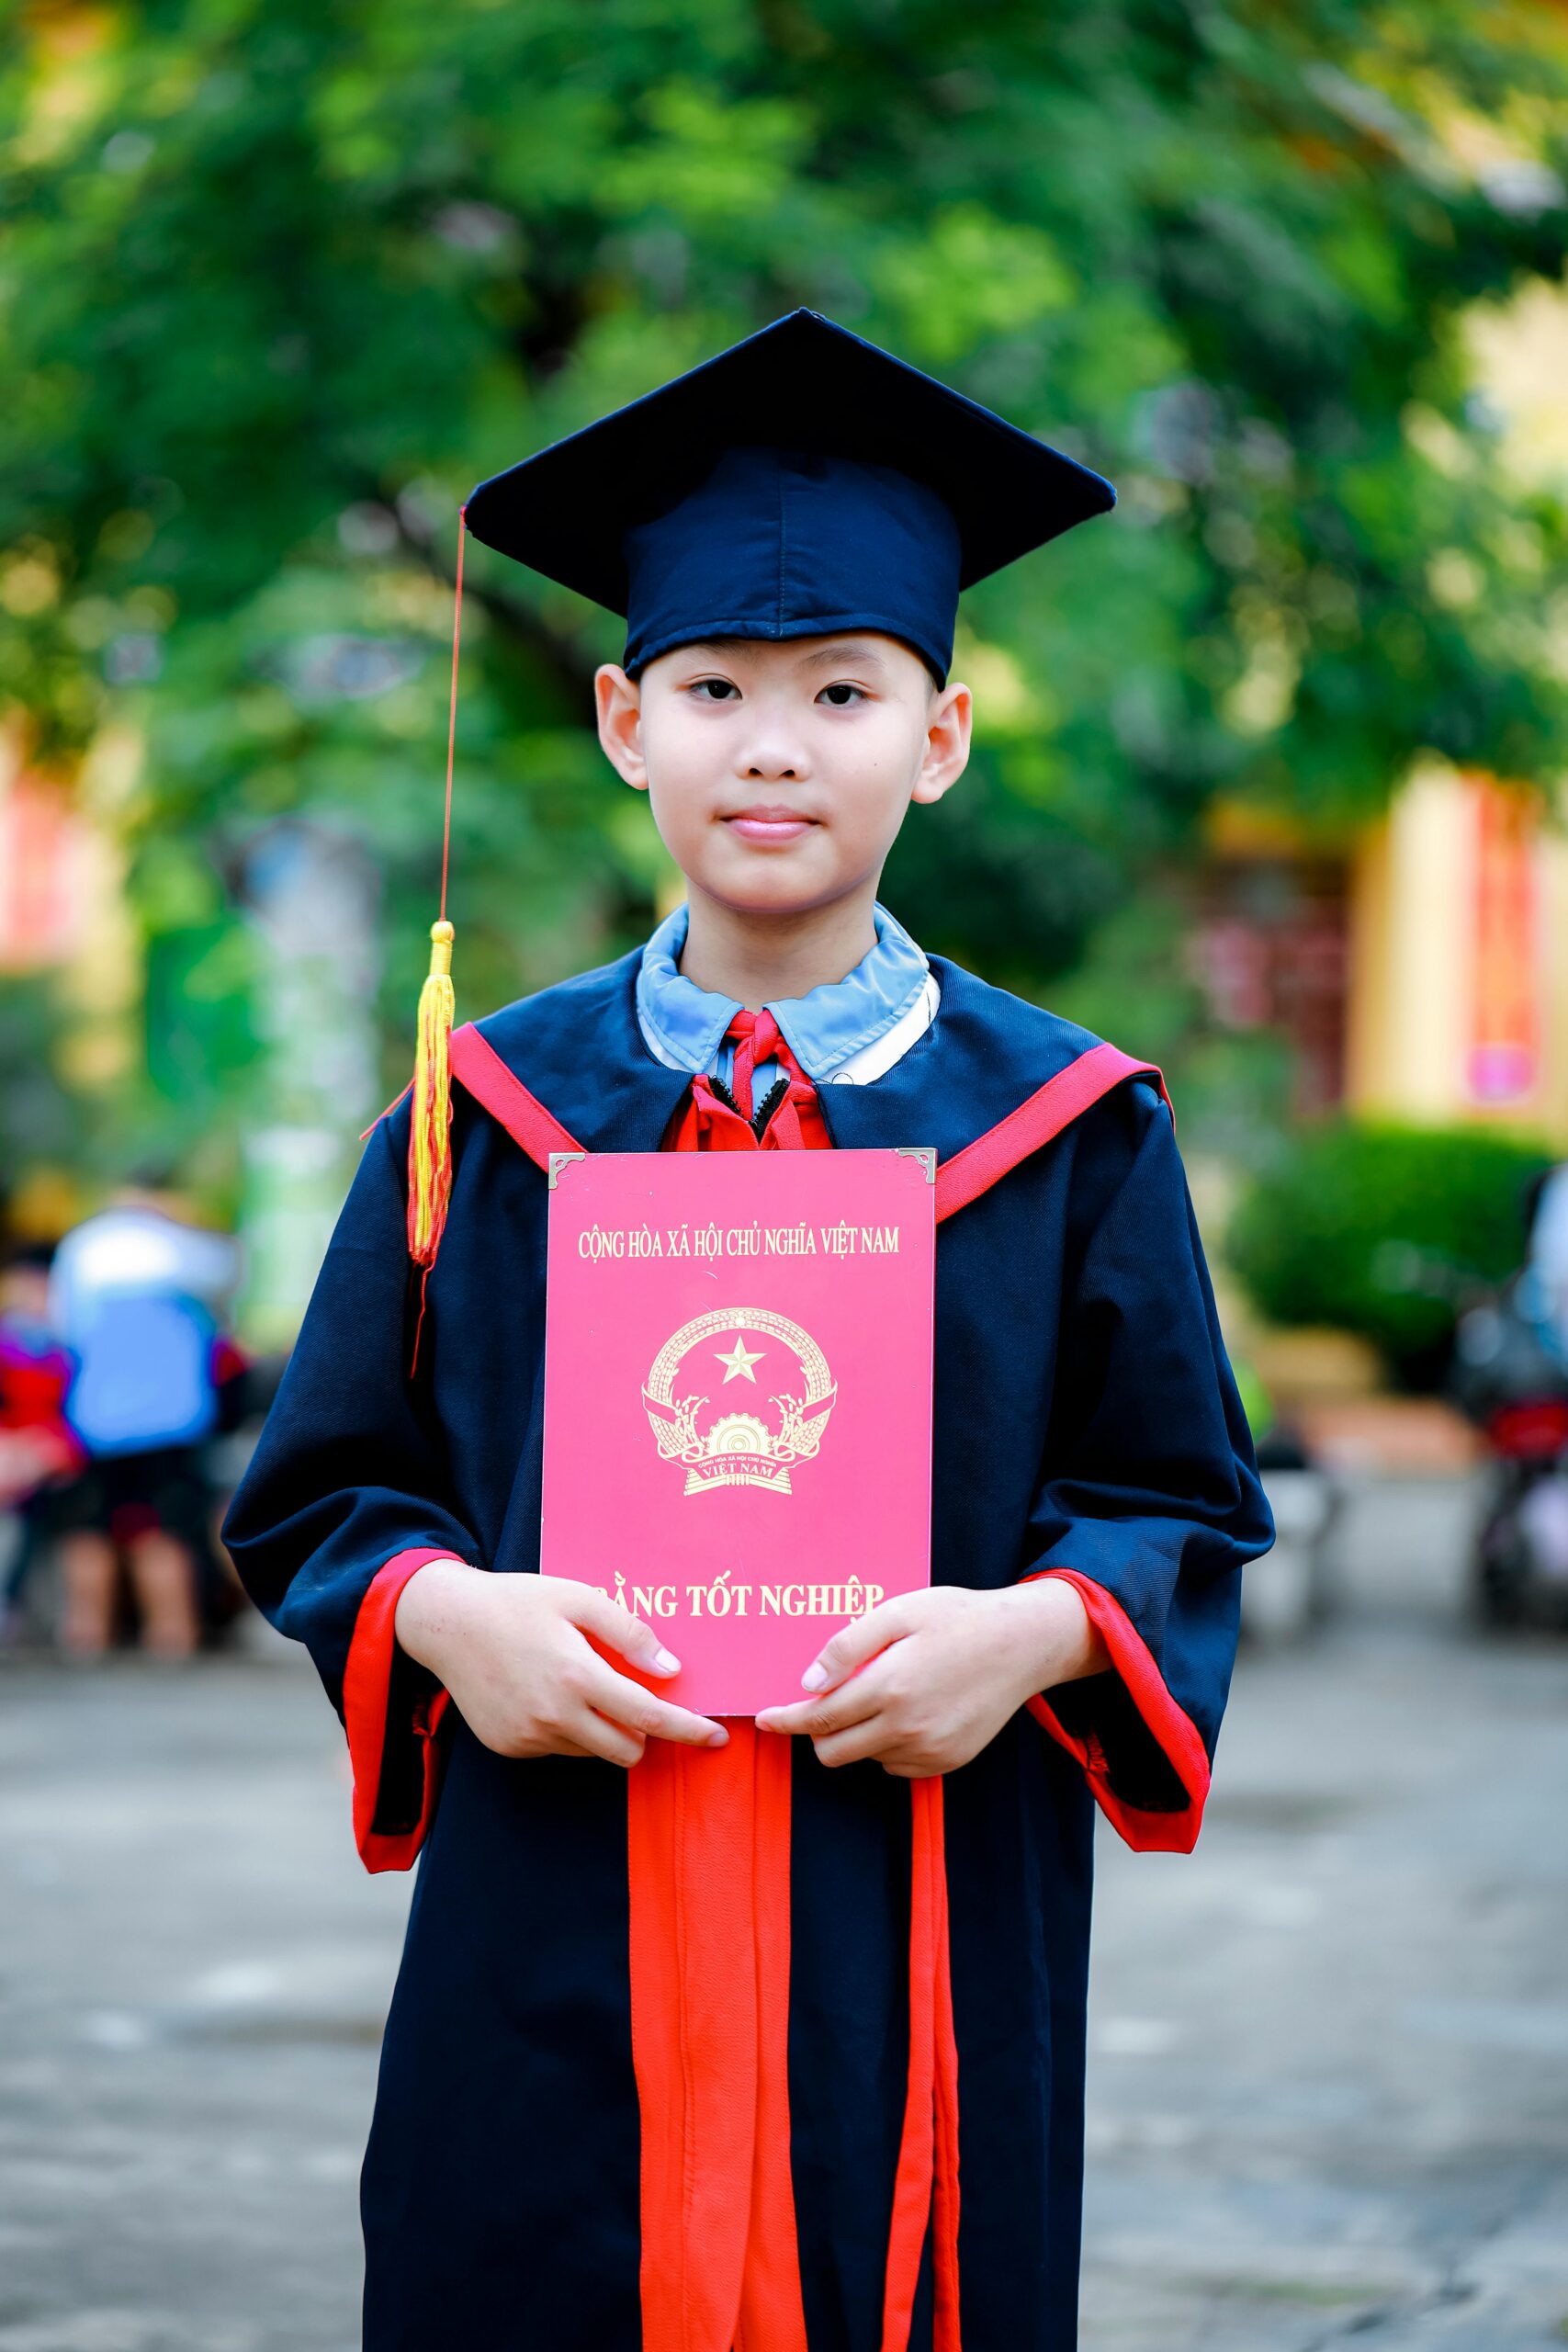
(708, 1122)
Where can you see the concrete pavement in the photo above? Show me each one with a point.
(1329, 2081)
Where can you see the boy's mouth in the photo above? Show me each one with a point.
(769, 823)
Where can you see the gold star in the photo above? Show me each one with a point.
(740, 1359)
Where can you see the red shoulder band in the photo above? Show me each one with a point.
(1046, 1111)
(504, 1096)
(959, 1181)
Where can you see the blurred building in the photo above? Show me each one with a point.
(1419, 968)
(61, 902)
(138, 1006)
(1459, 957)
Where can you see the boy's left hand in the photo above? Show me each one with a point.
(924, 1682)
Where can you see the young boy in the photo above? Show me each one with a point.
(761, 2037)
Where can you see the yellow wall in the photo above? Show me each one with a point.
(1553, 1119)
(1412, 965)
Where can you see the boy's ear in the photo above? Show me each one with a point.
(618, 701)
(946, 755)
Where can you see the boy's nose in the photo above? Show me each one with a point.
(774, 759)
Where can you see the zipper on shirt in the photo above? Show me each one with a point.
(757, 1122)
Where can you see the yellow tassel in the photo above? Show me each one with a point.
(430, 1138)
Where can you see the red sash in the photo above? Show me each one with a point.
(708, 1868)
(1039, 1118)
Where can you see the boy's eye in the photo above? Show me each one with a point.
(841, 696)
(716, 690)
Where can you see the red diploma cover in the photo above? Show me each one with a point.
(738, 1400)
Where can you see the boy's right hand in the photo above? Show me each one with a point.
(514, 1653)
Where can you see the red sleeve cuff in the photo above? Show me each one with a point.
(368, 1690)
(1173, 1832)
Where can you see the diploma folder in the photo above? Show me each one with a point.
(738, 1400)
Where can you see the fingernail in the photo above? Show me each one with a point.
(718, 1737)
(814, 1678)
(667, 1662)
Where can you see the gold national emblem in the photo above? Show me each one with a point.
(744, 1446)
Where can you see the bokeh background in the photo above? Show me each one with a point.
(1268, 787)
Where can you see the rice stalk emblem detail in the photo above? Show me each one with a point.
(743, 1445)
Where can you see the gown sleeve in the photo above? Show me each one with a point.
(346, 1496)
(1149, 1501)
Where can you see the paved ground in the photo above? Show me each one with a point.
(1329, 2094)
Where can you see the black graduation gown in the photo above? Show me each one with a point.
(1084, 1418)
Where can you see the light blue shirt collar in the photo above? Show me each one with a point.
(683, 1026)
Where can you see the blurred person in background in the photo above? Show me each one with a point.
(1510, 1375)
(1545, 1286)
(39, 1449)
(137, 1294)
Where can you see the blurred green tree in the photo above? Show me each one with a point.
(280, 278)
(1388, 1231)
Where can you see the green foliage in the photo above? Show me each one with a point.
(1387, 1231)
(1231, 1088)
(279, 279)
(198, 1016)
(40, 1118)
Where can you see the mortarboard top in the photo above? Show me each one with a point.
(802, 482)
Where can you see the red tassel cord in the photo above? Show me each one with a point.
(430, 1141)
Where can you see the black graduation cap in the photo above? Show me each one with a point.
(801, 482)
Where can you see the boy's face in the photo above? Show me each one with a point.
(779, 773)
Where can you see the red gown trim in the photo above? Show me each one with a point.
(773, 2317)
(1178, 1737)
(708, 1859)
(504, 1096)
(946, 2337)
(366, 1694)
(926, 2183)
(1037, 1119)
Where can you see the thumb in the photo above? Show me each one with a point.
(631, 1637)
(854, 1646)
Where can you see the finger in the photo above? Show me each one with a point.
(631, 1637)
(900, 1758)
(649, 1717)
(559, 1744)
(854, 1746)
(854, 1644)
(601, 1737)
(858, 1701)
